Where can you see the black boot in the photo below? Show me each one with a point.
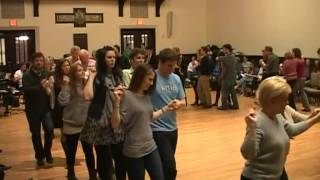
(93, 175)
(71, 175)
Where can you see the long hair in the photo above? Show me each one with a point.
(139, 76)
(99, 98)
(74, 80)
(297, 52)
(58, 74)
(102, 65)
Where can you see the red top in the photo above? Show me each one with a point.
(302, 68)
(290, 69)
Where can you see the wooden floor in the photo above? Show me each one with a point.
(208, 147)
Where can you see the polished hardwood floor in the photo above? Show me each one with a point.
(208, 147)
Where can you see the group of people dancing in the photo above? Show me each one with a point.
(129, 116)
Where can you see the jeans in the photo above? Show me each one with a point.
(35, 121)
(292, 94)
(167, 143)
(119, 161)
(151, 162)
(104, 160)
(300, 89)
(72, 144)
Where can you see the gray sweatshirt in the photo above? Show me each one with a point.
(136, 115)
(266, 154)
(75, 110)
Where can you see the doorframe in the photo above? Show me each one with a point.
(36, 33)
(138, 27)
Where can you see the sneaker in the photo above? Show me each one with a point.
(4, 167)
(194, 104)
(49, 160)
(206, 106)
(233, 107)
(222, 108)
(40, 162)
(71, 177)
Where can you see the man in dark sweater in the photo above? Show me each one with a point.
(272, 65)
(36, 93)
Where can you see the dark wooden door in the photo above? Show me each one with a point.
(138, 38)
(16, 47)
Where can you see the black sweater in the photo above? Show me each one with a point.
(36, 99)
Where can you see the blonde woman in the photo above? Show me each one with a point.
(267, 140)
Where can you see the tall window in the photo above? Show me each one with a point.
(21, 49)
(2, 52)
(128, 41)
(144, 41)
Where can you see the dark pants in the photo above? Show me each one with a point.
(72, 144)
(35, 122)
(194, 86)
(2, 174)
(266, 75)
(104, 160)
(167, 142)
(284, 176)
(119, 161)
(218, 89)
(227, 89)
(151, 162)
(291, 95)
(64, 143)
(89, 156)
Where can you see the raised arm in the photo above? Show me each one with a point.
(251, 144)
(115, 117)
(88, 88)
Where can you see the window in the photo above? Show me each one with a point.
(21, 49)
(2, 52)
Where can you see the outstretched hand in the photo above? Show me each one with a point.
(315, 115)
(172, 105)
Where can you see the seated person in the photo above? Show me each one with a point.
(17, 77)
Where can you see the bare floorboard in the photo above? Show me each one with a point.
(208, 147)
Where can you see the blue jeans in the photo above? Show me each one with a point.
(35, 121)
(167, 143)
(151, 162)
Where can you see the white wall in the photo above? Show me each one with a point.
(251, 24)
(189, 28)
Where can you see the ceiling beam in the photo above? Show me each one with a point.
(121, 5)
(36, 8)
(158, 5)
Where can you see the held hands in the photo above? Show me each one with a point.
(92, 72)
(171, 106)
(65, 80)
(45, 83)
(315, 115)
(118, 93)
(174, 105)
